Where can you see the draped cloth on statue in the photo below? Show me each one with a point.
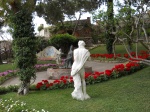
(77, 72)
(80, 57)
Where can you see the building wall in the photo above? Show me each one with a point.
(44, 33)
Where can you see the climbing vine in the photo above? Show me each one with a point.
(24, 47)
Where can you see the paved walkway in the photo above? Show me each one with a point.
(96, 66)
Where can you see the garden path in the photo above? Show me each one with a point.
(96, 66)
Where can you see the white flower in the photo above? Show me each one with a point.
(43, 110)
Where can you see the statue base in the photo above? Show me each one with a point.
(57, 73)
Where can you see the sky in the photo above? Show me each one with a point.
(37, 21)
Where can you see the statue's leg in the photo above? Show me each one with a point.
(86, 96)
(77, 93)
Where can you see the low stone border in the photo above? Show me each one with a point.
(107, 61)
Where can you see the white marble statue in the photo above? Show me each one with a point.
(58, 57)
(77, 72)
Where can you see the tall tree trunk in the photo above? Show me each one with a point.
(110, 27)
(129, 26)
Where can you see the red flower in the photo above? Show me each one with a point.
(64, 81)
(38, 86)
(108, 72)
(126, 55)
(45, 81)
(98, 73)
(51, 84)
(66, 77)
(62, 77)
(95, 76)
(119, 67)
(47, 85)
(128, 69)
(71, 81)
(132, 53)
(87, 75)
(56, 81)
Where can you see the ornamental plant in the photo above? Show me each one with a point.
(63, 82)
(92, 78)
(12, 73)
(104, 57)
(24, 47)
(63, 41)
(9, 105)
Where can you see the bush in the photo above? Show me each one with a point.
(41, 43)
(63, 41)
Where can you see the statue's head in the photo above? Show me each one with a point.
(81, 43)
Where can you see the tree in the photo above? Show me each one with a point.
(18, 14)
(1, 24)
(108, 18)
(140, 26)
(54, 12)
(63, 41)
(41, 43)
(125, 19)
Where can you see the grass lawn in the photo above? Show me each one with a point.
(126, 94)
(119, 49)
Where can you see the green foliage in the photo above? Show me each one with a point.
(54, 11)
(21, 23)
(25, 58)
(106, 23)
(40, 28)
(24, 44)
(58, 27)
(41, 43)
(63, 41)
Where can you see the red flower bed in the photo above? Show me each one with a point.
(91, 78)
(141, 55)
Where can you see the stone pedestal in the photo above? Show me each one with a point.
(57, 73)
(88, 69)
